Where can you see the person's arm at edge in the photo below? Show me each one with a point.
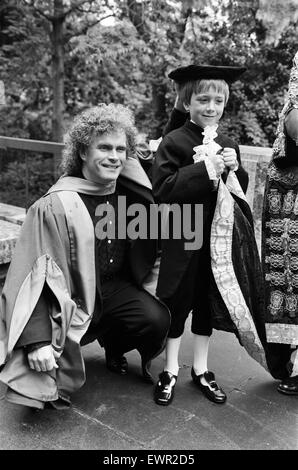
(291, 124)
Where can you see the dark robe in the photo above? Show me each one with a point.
(177, 180)
(236, 305)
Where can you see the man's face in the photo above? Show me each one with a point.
(105, 157)
(206, 108)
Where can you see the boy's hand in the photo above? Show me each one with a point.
(218, 163)
(42, 359)
(230, 158)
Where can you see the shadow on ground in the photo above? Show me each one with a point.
(117, 412)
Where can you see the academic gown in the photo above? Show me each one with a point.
(56, 247)
(236, 295)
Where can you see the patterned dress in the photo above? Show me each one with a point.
(280, 248)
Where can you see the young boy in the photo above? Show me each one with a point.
(221, 283)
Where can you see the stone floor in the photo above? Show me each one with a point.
(118, 413)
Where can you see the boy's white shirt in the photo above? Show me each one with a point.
(208, 148)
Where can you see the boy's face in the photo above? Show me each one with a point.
(206, 108)
(105, 157)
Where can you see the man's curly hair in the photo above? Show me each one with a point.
(101, 119)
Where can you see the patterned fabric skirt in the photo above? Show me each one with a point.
(280, 254)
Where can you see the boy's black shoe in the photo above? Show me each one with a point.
(164, 390)
(214, 393)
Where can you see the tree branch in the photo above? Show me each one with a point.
(38, 10)
(63, 15)
(85, 27)
(193, 28)
(76, 6)
(44, 15)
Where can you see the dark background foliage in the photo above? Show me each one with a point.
(58, 57)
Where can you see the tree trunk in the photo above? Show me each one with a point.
(58, 74)
(159, 106)
(136, 16)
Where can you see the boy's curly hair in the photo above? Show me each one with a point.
(98, 120)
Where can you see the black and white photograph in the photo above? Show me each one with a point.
(149, 230)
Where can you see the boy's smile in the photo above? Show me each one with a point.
(206, 108)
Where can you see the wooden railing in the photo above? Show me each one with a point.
(40, 146)
(33, 145)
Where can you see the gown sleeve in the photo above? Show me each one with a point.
(173, 182)
(38, 330)
(177, 119)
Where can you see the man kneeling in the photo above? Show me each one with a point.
(68, 282)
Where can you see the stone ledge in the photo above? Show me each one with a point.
(13, 214)
(9, 232)
(255, 152)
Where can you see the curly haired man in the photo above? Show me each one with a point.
(67, 285)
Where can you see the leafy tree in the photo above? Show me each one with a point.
(13, 184)
(58, 57)
(57, 16)
(277, 17)
(224, 38)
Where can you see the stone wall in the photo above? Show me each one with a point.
(11, 219)
(9, 234)
(255, 161)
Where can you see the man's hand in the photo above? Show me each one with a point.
(42, 359)
(218, 163)
(230, 158)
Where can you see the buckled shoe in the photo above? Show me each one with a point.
(289, 386)
(212, 391)
(164, 390)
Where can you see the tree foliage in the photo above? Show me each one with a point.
(127, 59)
(277, 17)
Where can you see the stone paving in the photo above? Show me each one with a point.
(10, 213)
(112, 412)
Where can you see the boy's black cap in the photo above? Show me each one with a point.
(199, 72)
